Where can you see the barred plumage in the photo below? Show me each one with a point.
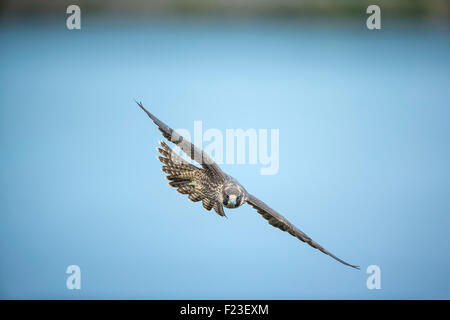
(189, 179)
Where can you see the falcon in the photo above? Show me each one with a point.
(213, 187)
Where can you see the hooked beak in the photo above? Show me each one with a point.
(232, 200)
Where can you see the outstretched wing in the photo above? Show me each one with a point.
(190, 149)
(278, 221)
(188, 179)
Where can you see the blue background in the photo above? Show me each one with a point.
(364, 153)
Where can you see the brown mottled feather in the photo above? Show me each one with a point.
(189, 179)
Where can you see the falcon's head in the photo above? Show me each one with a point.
(233, 195)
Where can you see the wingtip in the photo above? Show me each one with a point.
(354, 267)
(138, 103)
(142, 107)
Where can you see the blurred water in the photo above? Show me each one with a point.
(363, 118)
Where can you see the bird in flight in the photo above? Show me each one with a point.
(214, 187)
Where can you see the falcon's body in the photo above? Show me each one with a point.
(212, 186)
